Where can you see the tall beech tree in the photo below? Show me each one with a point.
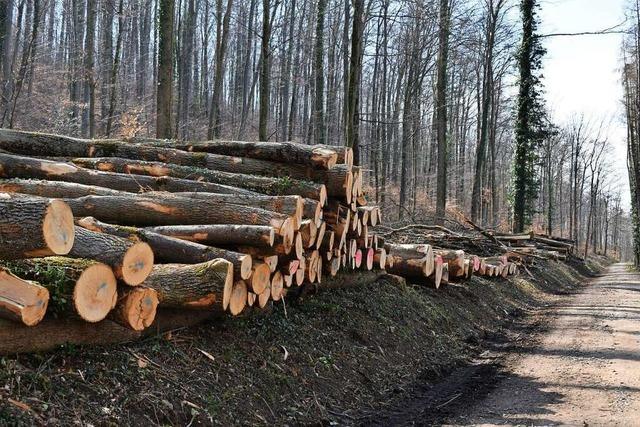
(165, 69)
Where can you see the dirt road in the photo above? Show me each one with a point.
(584, 370)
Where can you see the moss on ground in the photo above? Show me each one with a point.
(331, 358)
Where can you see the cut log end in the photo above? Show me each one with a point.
(287, 231)
(238, 299)
(21, 300)
(322, 195)
(251, 299)
(370, 260)
(298, 246)
(137, 309)
(277, 285)
(58, 228)
(320, 235)
(137, 264)
(272, 262)
(260, 277)
(95, 293)
(246, 266)
(357, 258)
(380, 257)
(264, 297)
(227, 291)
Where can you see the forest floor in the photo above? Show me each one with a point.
(385, 353)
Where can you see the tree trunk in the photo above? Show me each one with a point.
(317, 156)
(355, 72)
(265, 79)
(220, 235)
(165, 70)
(151, 211)
(441, 111)
(171, 250)
(222, 40)
(20, 300)
(88, 122)
(27, 167)
(83, 287)
(34, 227)
(234, 183)
(318, 67)
(131, 261)
(196, 286)
(136, 308)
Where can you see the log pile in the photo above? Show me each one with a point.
(122, 230)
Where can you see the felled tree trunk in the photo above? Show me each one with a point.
(292, 206)
(220, 234)
(31, 143)
(131, 261)
(54, 189)
(195, 286)
(260, 184)
(455, 259)
(136, 307)
(171, 250)
(20, 300)
(151, 211)
(31, 227)
(317, 156)
(86, 288)
(410, 260)
(13, 166)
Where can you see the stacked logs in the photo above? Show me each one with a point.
(96, 229)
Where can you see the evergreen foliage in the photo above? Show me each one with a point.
(531, 124)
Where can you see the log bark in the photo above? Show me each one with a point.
(153, 211)
(317, 156)
(83, 287)
(260, 184)
(136, 308)
(313, 211)
(32, 143)
(52, 333)
(131, 261)
(342, 280)
(345, 154)
(32, 227)
(193, 286)
(170, 250)
(403, 253)
(455, 259)
(21, 300)
(13, 166)
(292, 206)
(220, 234)
(380, 258)
(54, 189)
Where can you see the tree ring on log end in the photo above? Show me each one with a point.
(140, 308)
(260, 277)
(238, 299)
(95, 293)
(277, 284)
(58, 228)
(137, 263)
